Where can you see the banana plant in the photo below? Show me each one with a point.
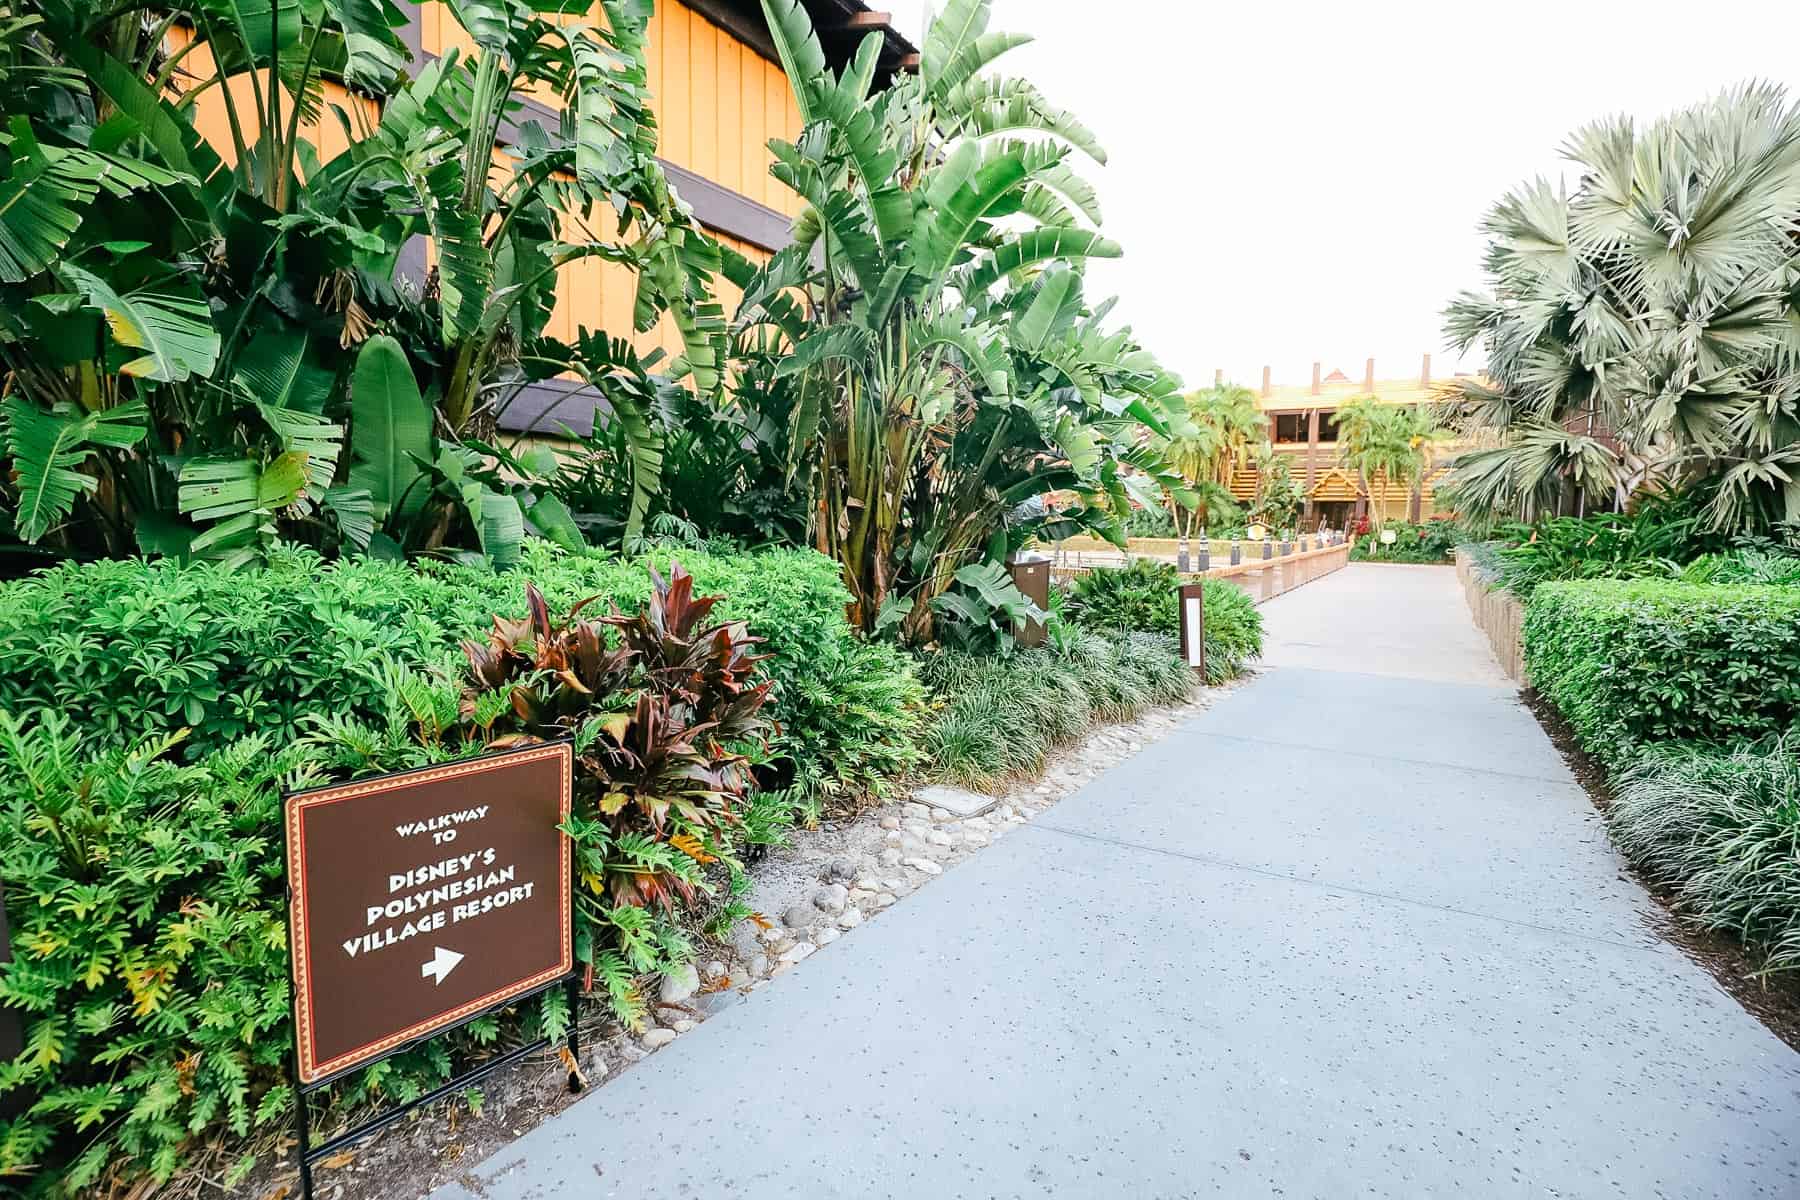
(943, 373)
(178, 321)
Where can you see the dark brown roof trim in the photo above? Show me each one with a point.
(841, 25)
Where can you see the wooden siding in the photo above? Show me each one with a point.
(717, 104)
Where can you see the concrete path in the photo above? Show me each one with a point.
(1353, 932)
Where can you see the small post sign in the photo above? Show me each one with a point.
(424, 899)
(1193, 625)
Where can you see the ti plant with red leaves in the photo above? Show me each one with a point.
(658, 704)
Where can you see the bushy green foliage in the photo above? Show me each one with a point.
(1149, 521)
(150, 946)
(1430, 541)
(1780, 567)
(1234, 630)
(1001, 716)
(130, 649)
(1721, 829)
(145, 877)
(1636, 662)
(1653, 540)
(1142, 597)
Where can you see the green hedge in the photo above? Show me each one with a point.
(129, 648)
(1431, 541)
(1636, 662)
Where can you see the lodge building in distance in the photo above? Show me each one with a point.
(1303, 429)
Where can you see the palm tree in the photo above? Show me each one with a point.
(1643, 332)
(1385, 444)
(1226, 426)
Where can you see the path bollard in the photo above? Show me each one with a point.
(1205, 556)
(1237, 552)
(1193, 625)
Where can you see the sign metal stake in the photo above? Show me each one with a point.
(466, 794)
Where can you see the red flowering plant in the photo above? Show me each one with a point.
(659, 705)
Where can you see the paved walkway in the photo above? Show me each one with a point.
(1353, 932)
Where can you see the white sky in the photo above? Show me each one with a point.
(1295, 182)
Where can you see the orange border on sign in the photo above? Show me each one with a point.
(310, 1070)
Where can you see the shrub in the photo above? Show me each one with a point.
(1630, 663)
(1142, 597)
(131, 649)
(150, 943)
(1234, 630)
(1002, 716)
(145, 879)
(1721, 830)
(1654, 540)
(1744, 566)
(1432, 541)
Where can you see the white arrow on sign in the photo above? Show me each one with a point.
(441, 963)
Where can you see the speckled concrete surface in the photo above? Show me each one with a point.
(1347, 934)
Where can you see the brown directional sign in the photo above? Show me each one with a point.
(423, 899)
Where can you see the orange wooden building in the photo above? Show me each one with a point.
(719, 97)
(1303, 429)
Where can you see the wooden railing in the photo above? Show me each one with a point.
(1497, 612)
(1263, 578)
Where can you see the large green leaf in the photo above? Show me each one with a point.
(311, 436)
(390, 429)
(152, 115)
(355, 514)
(278, 369)
(49, 448)
(502, 528)
(261, 27)
(1036, 246)
(237, 499)
(991, 107)
(464, 270)
(551, 519)
(952, 32)
(970, 189)
(377, 56)
(973, 57)
(168, 320)
(41, 206)
(1033, 326)
(802, 58)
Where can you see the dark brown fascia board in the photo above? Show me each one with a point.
(835, 21)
